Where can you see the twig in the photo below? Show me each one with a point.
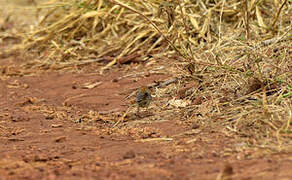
(278, 13)
(247, 19)
(167, 82)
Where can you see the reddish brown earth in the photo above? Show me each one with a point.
(58, 125)
(51, 127)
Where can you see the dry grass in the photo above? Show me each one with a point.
(239, 52)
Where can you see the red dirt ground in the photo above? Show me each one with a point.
(50, 128)
(56, 125)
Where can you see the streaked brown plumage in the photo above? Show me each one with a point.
(143, 98)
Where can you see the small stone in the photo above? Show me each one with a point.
(129, 155)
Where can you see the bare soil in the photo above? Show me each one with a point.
(57, 124)
(51, 129)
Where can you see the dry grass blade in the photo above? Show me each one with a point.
(154, 139)
(260, 18)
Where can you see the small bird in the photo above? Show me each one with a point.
(143, 97)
